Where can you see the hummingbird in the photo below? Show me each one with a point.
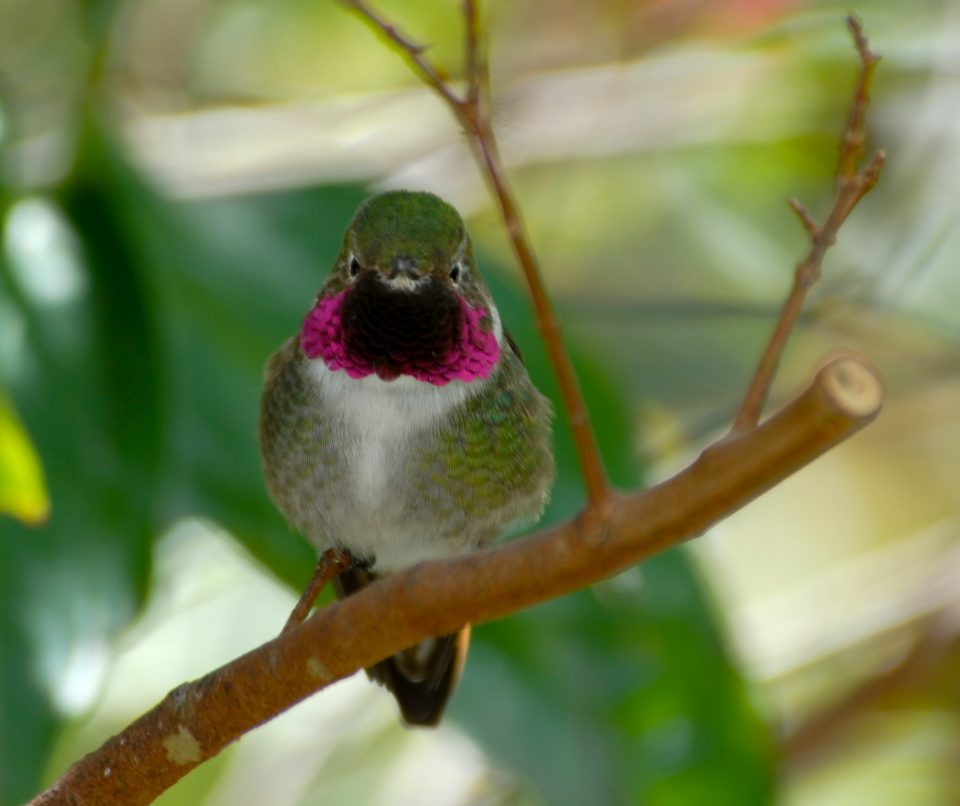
(400, 424)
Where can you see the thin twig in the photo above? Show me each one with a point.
(472, 112)
(198, 719)
(852, 148)
(428, 73)
(476, 63)
(808, 221)
(852, 186)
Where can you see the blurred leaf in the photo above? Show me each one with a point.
(230, 281)
(23, 493)
(84, 382)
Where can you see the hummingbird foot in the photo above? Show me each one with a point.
(331, 564)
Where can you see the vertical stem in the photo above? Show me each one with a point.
(588, 453)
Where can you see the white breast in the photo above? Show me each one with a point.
(374, 423)
(376, 418)
(379, 417)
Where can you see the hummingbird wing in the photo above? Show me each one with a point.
(421, 678)
(513, 345)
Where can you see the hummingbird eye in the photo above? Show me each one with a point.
(354, 266)
(455, 272)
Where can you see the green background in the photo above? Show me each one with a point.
(135, 325)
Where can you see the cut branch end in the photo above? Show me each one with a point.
(853, 385)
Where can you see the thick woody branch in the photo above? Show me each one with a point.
(473, 114)
(197, 720)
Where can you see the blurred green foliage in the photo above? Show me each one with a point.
(142, 397)
(133, 356)
(23, 492)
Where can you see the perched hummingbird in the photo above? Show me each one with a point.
(400, 424)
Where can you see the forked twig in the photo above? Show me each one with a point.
(471, 110)
(852, 185)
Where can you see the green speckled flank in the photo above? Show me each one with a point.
(300, 455)
(495, 452)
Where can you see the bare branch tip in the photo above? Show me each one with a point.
(809, 224)
(867, 56)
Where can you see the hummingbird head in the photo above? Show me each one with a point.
(405, 297)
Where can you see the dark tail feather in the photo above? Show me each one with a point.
(421, 678)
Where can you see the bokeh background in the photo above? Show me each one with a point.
(176, 176)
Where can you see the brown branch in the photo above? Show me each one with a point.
(429, 74)
(817, 735)
(852, 186)
(472, 113)
(197, 720)
(478, 87)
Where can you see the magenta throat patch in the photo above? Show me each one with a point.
(471, 355)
